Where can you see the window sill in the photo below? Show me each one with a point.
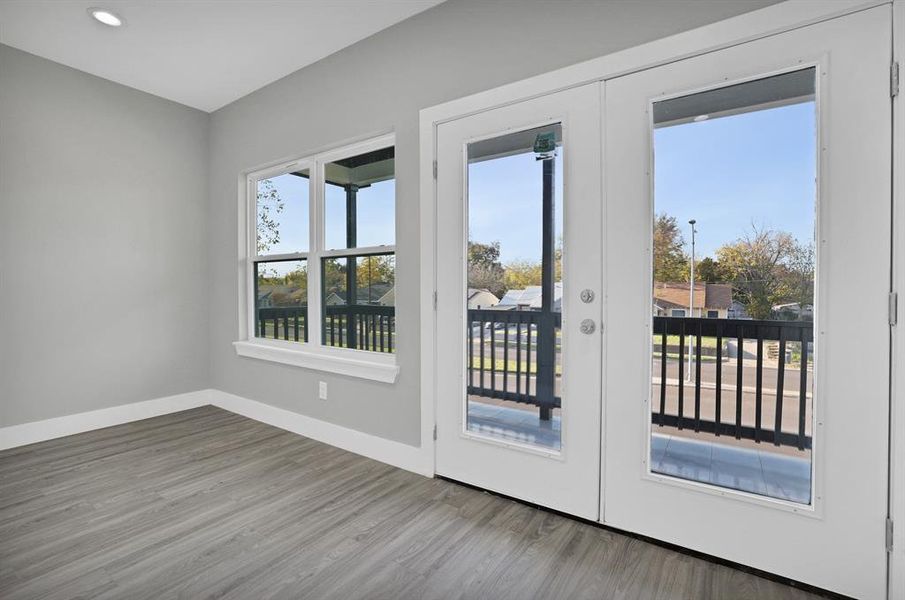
(380, 368)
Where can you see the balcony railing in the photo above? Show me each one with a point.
(283, 323)
(737, 332)
(505, 349)
(503, 361)
(361, 326)
(358, 326)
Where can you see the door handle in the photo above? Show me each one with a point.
(588, 326)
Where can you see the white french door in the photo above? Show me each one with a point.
(796, 482)
(724, 222)
(520, 356)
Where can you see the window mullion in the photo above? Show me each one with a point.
(280, 257)
(316, 235)
(364, 251)
(251, 216)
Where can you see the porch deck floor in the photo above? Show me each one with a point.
(759, 471)
(514, 425)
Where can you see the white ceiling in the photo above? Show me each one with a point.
(203, 53)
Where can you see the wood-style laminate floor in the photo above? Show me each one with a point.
(205, 503)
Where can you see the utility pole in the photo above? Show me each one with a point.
(691, 294)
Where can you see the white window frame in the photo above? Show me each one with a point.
(313, 354)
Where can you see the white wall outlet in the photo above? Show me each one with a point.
(322, 390)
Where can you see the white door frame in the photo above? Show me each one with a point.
(897, 412)
(758, 24)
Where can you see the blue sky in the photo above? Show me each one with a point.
(376, 215)
(727, 173)
(504, 204)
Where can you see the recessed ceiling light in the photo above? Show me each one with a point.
(106, 17)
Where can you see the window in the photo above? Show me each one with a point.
(280, 291)
(331, 216)
(677, 312)
(359, 275)
(713, 314)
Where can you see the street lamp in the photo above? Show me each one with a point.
(691, 292)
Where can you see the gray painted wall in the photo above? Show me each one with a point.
(103, 243)
(379, 84)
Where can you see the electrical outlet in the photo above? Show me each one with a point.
(322, 390)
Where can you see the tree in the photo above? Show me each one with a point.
(670, 262)
(708, 271)
(269, 204)
(289, 289)
(521, 273)
(758, 265)
(334, 277)
(484, 268)
(376, 269)
(799, 274)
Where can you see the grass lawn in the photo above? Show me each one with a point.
(499, 364)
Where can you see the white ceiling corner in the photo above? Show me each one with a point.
(202, 53)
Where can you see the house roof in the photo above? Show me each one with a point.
(530, 296)
(472, 292)
(719, 295)
(706, 295)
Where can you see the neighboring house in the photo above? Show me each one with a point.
(275, 296)
(737, 310)
(478, 298)
(529, 298)
(711, 300)
(388, 299)
(794, 311)
(334, 299)
(377, 294)
(382, 294)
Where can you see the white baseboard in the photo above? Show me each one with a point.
(410, 458)
(40, 431)
(397, 454)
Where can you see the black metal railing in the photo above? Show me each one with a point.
(717, 335)
(503, 362)
(283, 323)
(506, 351)
(359, 326)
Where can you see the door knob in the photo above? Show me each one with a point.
(588, 326)
(587, 296)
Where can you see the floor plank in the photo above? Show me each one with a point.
(205, 503)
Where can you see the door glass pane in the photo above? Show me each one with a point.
(514, 291)
(282, 214)
(733, 286)
(281, 300)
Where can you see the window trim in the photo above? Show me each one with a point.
(313, 354)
